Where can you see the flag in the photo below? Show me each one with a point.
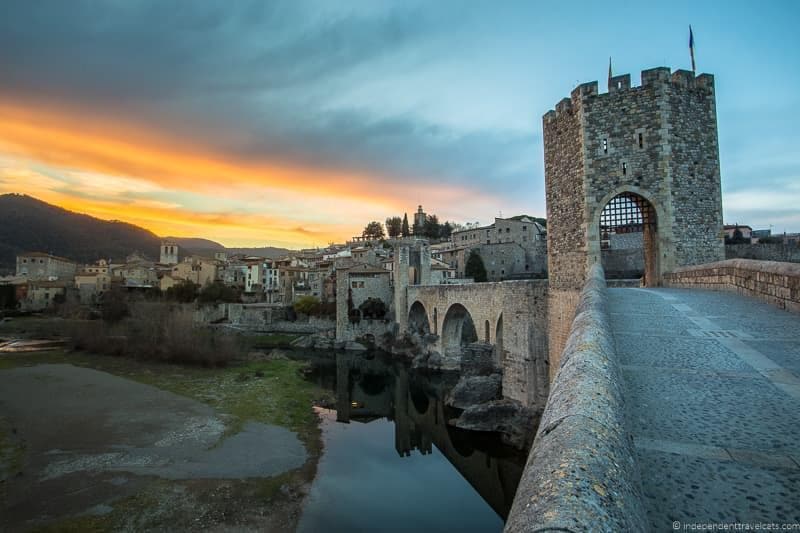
(691, 46)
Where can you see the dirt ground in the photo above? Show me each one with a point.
(85, 450)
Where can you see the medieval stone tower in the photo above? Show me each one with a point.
(169, 253)
(636, 159)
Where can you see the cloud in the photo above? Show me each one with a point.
(255, 82)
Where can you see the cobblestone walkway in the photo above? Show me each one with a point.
(713, 383)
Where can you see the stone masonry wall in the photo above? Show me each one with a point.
(771, 281)
(582, 473)
(764, 252)
(520, 308)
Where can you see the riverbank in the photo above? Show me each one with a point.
(190, 411)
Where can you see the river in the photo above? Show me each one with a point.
(392, 463)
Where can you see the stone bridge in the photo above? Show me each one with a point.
(510, 315)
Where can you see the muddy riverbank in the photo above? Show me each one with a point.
(101, 443)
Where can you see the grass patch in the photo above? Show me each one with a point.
(272, 392)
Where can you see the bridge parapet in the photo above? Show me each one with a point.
(581, 473)
(774, 282)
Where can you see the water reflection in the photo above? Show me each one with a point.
(379, 400)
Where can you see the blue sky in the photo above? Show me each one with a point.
(298, 122)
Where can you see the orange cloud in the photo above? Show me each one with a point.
(102, 162)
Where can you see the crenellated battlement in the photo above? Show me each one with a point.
(650, 78)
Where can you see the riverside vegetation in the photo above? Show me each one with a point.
(159, 346)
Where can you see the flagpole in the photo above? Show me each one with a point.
(691, 47)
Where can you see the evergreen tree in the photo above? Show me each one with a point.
(474, 268)
(447, 230)
(404, 230)
(431, 228)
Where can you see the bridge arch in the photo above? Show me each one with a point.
(458, 330)
(500, 355)
(628, 213)
(418, 319)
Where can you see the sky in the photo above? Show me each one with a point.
(295, 123)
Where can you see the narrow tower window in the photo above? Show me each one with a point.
(624, 168)
(605, 145)
(641, 141)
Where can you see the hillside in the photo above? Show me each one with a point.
(195, 245)
(269, 252)
(28, 224)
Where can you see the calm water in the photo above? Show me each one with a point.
(391, 463)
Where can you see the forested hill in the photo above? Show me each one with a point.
(30, 225)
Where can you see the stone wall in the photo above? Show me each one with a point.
(357, 330)
(771, 281)
(516, 314)
(582, 473)
(764, 252)
(623, 263)
(259, 317)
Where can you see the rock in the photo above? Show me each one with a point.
(478, 360)
(305, 342)
(516, 424)
(277, 355)
(353, 346)
(256, 355)
(472, 390)
(316, 341)
(436, 361)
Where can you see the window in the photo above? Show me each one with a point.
(24, 260)
(641, 141)
(605, 145)
(360, 284)
(624, 168)
(508, 230)
(354, 284)
(502, 272)
(524, 228)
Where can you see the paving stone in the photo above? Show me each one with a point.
(715, 418)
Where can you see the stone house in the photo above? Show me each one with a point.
(91, 283)
(42, 293)
(40, 266)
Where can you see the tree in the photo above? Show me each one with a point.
(373, 308)
(394, 226)
(474, 268)
(114, 305)
(218, 292)
(447, 230)
(373, 230)
(8, 297)
(405, 231)
(306, 305)
(431, 228)
(184, 292)
(737, 238)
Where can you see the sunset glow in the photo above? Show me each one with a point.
(296, 123)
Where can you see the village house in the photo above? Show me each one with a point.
(511, 248)
(42, 294)
(197, 269)
(40, 266)
(92, 281)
